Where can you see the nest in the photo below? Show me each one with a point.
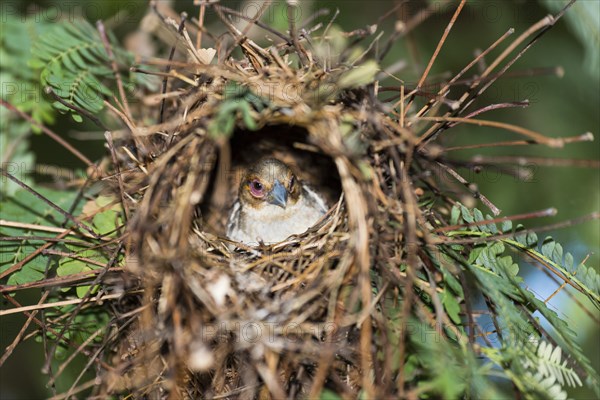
(284, 320)
(210, 318)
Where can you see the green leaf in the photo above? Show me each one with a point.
(569, 262)
(359, 76)
(81, 291)
(506, 226)
(31, 272)
(454, 214)
(74, 63)
(466, 214)
(452, 307)
(69, 266)
(327, 394)
(23, 207)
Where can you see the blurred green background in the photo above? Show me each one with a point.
(559, 106)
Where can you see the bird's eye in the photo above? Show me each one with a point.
(292, 181)
(256, 188)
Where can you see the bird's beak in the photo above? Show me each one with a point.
(278, 195)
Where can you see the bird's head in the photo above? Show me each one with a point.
(269, 181)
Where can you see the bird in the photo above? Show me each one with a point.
(272, 204)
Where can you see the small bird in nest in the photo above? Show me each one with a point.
(272, 204)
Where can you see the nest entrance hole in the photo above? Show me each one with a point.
(286, 143)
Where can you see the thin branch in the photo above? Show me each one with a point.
(537, 137)
(171, 55)
(437, 50)
(114, 67)
(548, 212)
(60, 304)
(43, 228)
(586, 137)
(58, 281)
(51, 204)
(241, 38)
(48, 90)
(200, 25)
(238, 14)
(87, 296)
(538, 161)
(469, 96)
(48, 132)
(466, 68)
(545, 228)
(9, 349)
(441, 43)
(495, 210)
(122, 192)
(54, 332)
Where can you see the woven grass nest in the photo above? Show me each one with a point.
(217, 319)
(272, 321)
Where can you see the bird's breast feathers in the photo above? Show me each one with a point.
(271, 223)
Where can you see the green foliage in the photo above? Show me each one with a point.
(536, 371)
(85, 323)
(20, 82)
(329, 395)
(25, 209)
(359, 76)
(77, 258)
(550, 368)
(108, 221)
(75, 64)
(239, 103)
(550, 253)
(21, 88)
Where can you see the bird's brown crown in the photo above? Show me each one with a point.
(256, 187)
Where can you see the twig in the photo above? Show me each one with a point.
(41, 238)
(172, 74)
(114, 67)
(468, 95)
(238, 14)
(43, 228)
(48, 90)
(54, 332)
(17, 339)
(548, 212)
(454, 80)
(48, 132)
(171, 55)
(292, 5)
(122, 192)
(440, 43)
(586, 137)
(77, 351)
(60, 304)
(58, 281)
(74, 256)
(497, 106)
(405, 28)
(495, 210)
(537, 137)
(538, 161)
(200, 24)
(545, 24)
(87, 296)
(437, 50)
(545, 228)
(239, 39)
(51, 204)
